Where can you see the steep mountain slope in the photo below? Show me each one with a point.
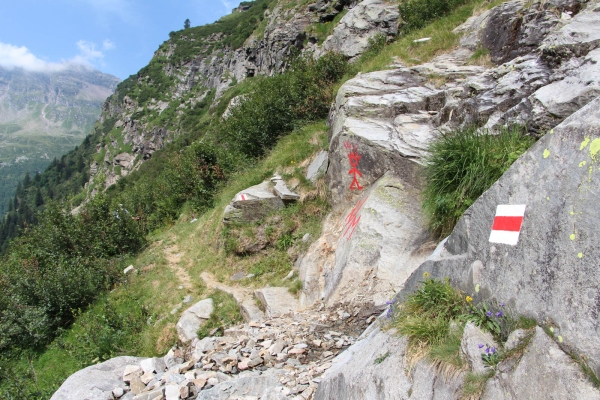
(43, 115)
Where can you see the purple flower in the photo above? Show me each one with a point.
(480, 345)
(501, 304)
(499, 314)
(389, 302)
(489, 313)
(487, 350)
(493, 350)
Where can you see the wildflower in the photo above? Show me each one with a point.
(489, 313)
(501, 304)
(480, 345)
(493, 350)
(426, 275)
(499, 314)
(469, 299)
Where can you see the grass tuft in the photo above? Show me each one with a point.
(461, 166)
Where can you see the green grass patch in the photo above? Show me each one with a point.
(225, 314)
(463, 164)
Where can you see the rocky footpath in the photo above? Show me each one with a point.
(374, 245)
(275, 358)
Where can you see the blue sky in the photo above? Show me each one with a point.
(118, 37)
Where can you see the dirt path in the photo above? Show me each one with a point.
(173, 257)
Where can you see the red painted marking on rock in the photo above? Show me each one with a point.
(507, 224)
(512, 224)
(353, 219)
(354, 157)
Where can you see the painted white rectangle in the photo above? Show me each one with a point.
(505, 237)
(510, 210)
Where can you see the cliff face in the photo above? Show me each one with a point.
(196, 66)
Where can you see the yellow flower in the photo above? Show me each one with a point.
(426, 275)
(469, 299)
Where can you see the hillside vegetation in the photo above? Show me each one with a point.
(65, 303)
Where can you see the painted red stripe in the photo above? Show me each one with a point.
(512, 224)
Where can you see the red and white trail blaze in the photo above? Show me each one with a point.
(507, 224)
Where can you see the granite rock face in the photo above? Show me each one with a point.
(544, 370)
(362, 23)
(96, 382)
(252, 204)
(552, 272)
(192, 319)
(380, 241)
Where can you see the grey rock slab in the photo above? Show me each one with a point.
(252, 204)
(556, 101)
(192, 318)
(245, 385)
(431, 386)
(552, 271)
(515, 28)
(277, 301)
(576, 38)
(318, 167)
(124, 160)
(154, 364)
(363, 22)
(96, 382)
(473, 338)
(355, 374)
(383, 239)
(284, 193)
(514, 339)
(544, 372)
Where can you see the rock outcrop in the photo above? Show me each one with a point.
(192, 319)
(96, 382)
(551, 273)
(252, 204)
(361, 24)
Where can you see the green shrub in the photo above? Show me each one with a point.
(58, 266)
(461, 166)
(279, 103)
(417, 13)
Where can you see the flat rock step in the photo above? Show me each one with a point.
(243, 297)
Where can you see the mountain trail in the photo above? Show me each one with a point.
(173, 257)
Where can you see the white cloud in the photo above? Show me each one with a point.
(20, 57)
(107, 44)
(14, 56)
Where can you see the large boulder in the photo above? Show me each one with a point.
(363, 22)
(96, 382)
(380, 241)
(376, 367)
(516, 28)
(317, 167)
(252, 204)
(192, 319)
(544, 372)
(552, 273)
(277, 301)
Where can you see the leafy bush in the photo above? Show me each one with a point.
(461, 166)
(278, 103)
(417, 13)
(60, 265)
